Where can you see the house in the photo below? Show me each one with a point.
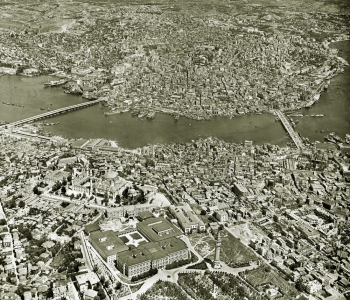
(90, 294)
(221, 215)
(84, 280)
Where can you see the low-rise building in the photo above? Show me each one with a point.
(187, 219)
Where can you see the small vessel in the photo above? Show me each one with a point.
(112, 112)
(142, 114)
(55, 82)
(151, 115)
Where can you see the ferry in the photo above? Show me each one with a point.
(112, 112)
(151, 115)
(55, 82)
(142, 114)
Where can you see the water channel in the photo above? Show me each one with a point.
(133, 132)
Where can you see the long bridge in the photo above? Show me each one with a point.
(52, 113)
(288, 127)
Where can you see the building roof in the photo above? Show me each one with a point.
(107, 243)
(152, 251)
(151, 226)
(145, 215)
(110, 175)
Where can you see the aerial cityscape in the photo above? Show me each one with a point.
(175, 150)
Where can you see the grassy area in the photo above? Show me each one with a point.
(136, 236)
(210, 286)
(165, 290)
(57, 260)
(233, 252)
(124, 239)
(267, 275)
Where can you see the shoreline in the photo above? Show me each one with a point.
(201, 113)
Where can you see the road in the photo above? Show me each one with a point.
(85, 252)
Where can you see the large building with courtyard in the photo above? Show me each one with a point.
(154, 244)
(107, 244)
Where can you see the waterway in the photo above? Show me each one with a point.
(133, 132)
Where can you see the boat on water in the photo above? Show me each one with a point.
(317, 115)
(142, 114)
(151, 115)
(112, 112)
(55, 82)
(296, 115)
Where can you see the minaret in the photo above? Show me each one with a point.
(217, 264)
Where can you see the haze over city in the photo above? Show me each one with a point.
(174, 150)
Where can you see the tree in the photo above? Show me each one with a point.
(71, 196)
(63, 190)
(125, 193)
(21, 204)
(36, 190)
(203, 212)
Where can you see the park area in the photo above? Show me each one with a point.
(233, 252)
(265, 275)
(215, 285)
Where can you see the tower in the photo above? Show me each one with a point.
(217, 264)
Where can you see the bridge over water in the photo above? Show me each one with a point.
(52, 113)
(288, 127)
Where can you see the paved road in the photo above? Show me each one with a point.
(85, 251)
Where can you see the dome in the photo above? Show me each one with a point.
(110, 175)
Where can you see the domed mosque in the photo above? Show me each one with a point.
(111, 184)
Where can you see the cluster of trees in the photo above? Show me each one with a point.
(131, 200)
(13, 202)
(144, 275)
(25, 232)
(164, 289)
(179, 263)
(200, 266)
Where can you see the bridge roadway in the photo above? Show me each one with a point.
(295, 136)
(52, 113)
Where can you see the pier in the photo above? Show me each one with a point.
(288, 127)
(52, 113)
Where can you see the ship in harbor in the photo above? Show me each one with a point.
(55, 82)
(151, 115)
(113, 112)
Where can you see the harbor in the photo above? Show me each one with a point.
(137, 128)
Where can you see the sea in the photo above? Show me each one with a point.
(22, 97)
